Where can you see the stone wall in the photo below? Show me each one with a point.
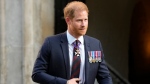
(23, 26)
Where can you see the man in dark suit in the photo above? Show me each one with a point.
(72, 57)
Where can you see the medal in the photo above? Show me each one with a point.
(90, 57)
(93, 55)
(96, 54)
(94, 60)
(99, 56)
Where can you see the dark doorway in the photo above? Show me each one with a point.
(60, 24)
(139, 49)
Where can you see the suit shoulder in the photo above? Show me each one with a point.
(54, 37)
(91, 38)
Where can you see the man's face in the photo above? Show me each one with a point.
(78, 25)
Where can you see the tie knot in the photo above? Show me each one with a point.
(76, 43)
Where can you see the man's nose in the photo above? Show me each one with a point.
(83, 23)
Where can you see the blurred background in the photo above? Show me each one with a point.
(123, 27)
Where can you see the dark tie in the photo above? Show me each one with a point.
(76, 60)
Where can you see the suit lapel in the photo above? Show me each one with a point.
(87, 48)
(64, 46)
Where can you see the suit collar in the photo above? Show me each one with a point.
(64, 38)
(87, 64)
(65, 50)
(86, 41)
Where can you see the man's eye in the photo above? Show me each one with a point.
(79, 20)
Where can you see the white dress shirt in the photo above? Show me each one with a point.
(71, 39)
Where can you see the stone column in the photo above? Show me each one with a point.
(11, 42)
(39, 23)
(24, 24)
(2, 43)
(28, 40)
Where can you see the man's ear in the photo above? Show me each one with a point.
(67, 19)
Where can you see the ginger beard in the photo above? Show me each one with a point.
(78, 25)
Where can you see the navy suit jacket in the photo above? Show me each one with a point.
(52, 64)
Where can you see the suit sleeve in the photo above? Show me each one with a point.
(103, 75)
(40, 68)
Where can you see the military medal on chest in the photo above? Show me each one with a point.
(94, 56)
(90, 57)
(99, 56)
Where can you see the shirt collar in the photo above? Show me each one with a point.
(71, 39)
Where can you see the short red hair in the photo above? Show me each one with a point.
(74, 6)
